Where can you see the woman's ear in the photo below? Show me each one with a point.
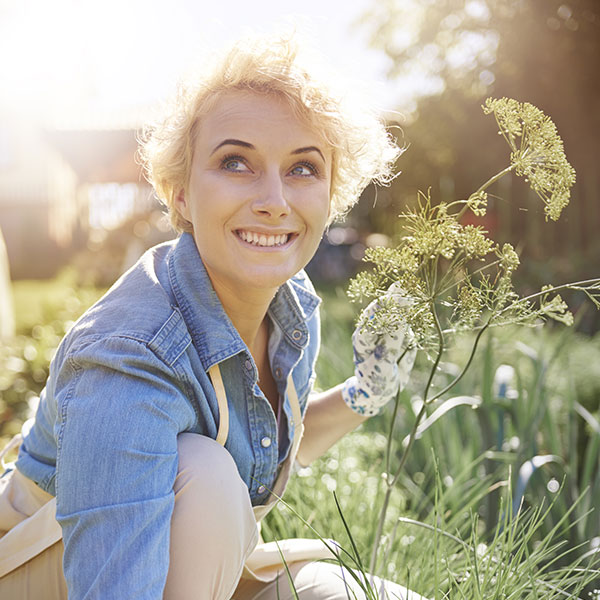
(181, 205)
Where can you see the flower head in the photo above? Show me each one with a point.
(469, 306)
(509, 259)
(555, 307)
(537, 151)
(473, 242)
(478, 203)
(432, 232)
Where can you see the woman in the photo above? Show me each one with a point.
(180, 400)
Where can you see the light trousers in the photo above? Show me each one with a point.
(213, 532)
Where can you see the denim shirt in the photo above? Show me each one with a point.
(127, 379)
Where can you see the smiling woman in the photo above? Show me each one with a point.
(275, 184)
(177, 405)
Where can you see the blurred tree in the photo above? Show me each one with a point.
(546, 52)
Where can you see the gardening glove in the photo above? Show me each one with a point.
(377, 374)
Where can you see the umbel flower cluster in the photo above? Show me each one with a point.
(536, 151)
(456, 276)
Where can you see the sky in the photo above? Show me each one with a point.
(62, 57)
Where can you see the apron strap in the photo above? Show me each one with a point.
(217, 381)
(296, 414)
(293, 396)
(215, 376)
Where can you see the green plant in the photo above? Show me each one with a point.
(458, 279)
(537, 435)
(443, 553)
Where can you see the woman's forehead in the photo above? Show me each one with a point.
(260, 115)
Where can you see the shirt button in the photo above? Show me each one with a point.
(296, 334)
(261, 489)
(248, 365)
(278, 373)
(265, 442)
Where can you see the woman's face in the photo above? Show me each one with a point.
(258, 195)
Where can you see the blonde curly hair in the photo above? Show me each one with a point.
(362, 149)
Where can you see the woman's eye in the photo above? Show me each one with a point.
(304, 169)
(234, 163)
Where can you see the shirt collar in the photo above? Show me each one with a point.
(213, 333)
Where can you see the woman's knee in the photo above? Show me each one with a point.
(206, 468)
(209, 490)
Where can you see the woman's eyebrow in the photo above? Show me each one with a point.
(232, 142)
(309, 149)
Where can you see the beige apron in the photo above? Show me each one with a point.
(265, 562)
(32, 531)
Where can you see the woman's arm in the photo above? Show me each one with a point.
(328, 418)
(383, 362)
(119, 416)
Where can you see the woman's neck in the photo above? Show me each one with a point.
(248, 313)
(250, 322)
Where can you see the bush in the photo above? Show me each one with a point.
(45, 311)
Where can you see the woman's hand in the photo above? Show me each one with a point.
(382, 361)
(382, 366)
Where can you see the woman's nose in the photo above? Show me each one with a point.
(271, 200)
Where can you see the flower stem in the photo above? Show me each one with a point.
(582, 286)
(483, 187)
(388, 451)
(438, 358)
(391, 482)
(465, 368)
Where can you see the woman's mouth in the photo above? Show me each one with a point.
(263, 240)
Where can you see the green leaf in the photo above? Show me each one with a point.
(446, 406)
(526, 471)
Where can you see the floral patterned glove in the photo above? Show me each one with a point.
(377, 374)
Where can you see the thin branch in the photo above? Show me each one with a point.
(465, 368)
(481, 188)
(438, 358)
(391, 482)
(476, 272)
(582, 286)
(388, 451)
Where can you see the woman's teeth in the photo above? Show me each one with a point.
(260, 239)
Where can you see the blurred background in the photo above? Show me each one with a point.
(79, 78)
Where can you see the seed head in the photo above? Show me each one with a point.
(537, 151)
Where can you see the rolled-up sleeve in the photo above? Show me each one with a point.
(120, 409)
